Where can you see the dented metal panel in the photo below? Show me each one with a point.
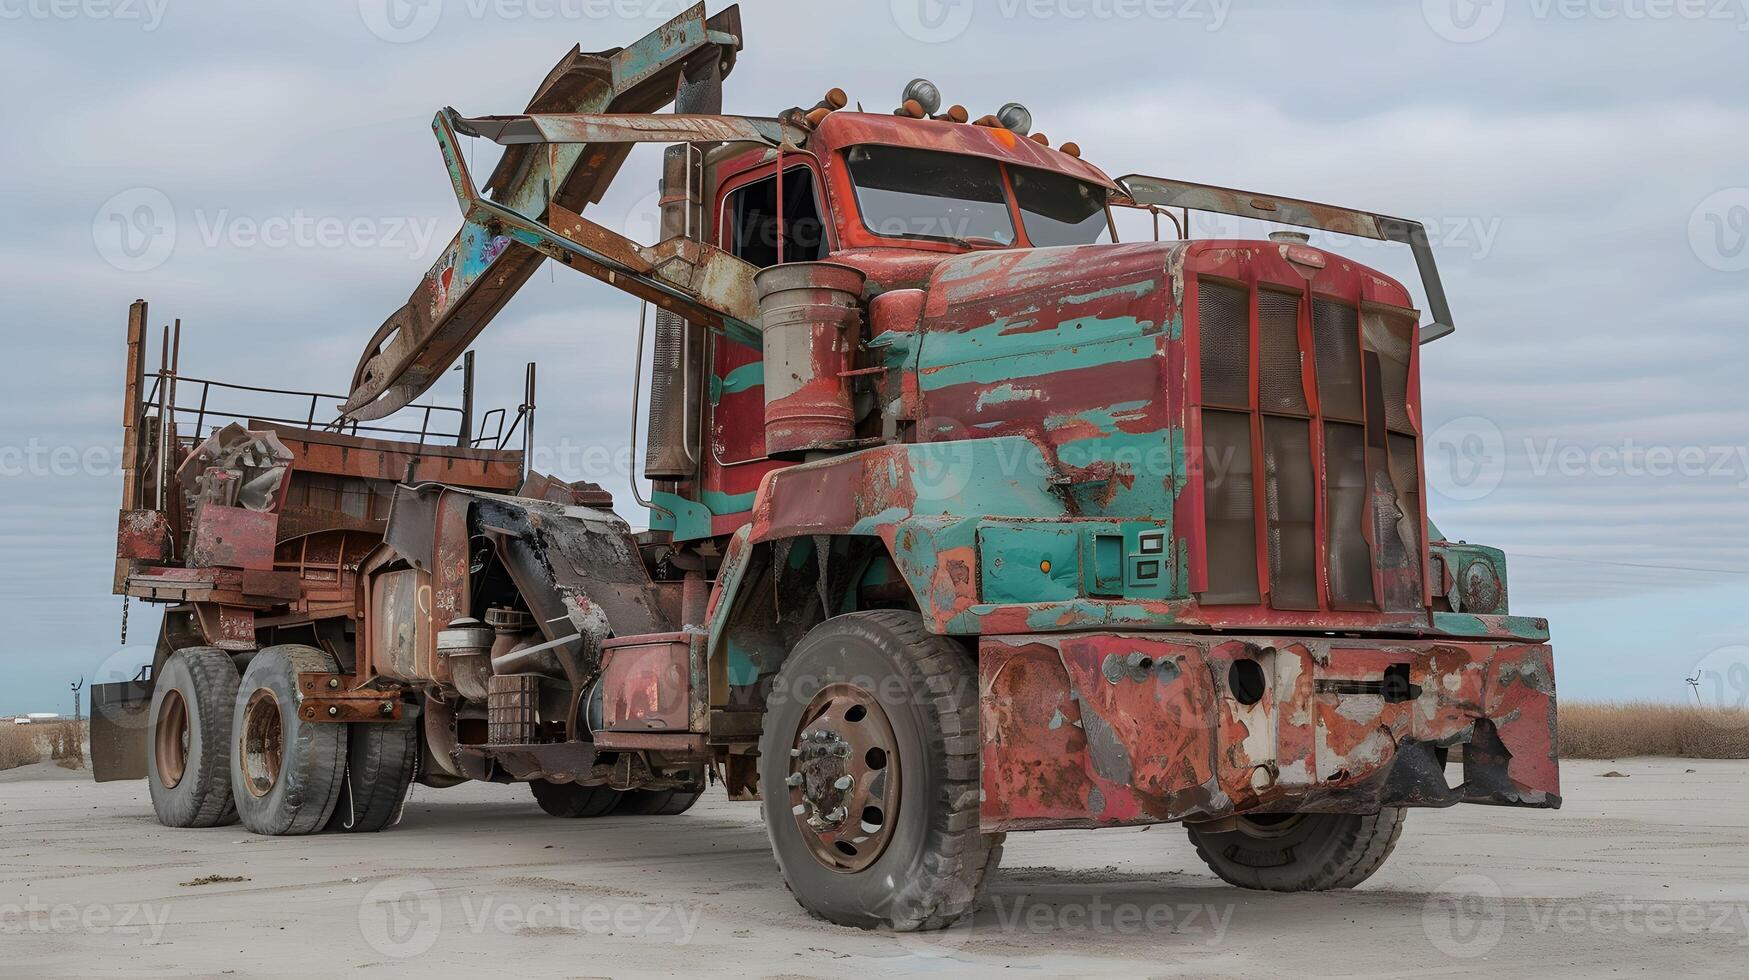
(1108, 729)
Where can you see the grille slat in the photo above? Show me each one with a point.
(1336, 340)
(1280, 371)
(1224, 322)
(1229, 501)
(1292, 513)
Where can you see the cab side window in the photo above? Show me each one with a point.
(751, 226)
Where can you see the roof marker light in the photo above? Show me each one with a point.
(1015, 118)
(925, 94)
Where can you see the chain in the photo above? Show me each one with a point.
(124, 619)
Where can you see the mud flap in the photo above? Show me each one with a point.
(120, 716)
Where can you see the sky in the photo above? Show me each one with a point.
(265, 172)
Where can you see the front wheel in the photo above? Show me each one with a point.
(869, 775)
(1300, 852)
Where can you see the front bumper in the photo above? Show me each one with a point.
(1110, 729)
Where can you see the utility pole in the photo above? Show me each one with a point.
(76, 738)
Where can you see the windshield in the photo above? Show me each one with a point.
(1058, 210)
(906, 193)
(909, 193)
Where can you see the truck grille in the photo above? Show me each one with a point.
(1310, 464)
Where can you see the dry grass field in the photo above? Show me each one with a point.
(23, 745)
(1619, 731)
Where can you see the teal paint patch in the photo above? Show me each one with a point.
(743, 672)
(977, 357)
(1029, 562)
(722, 504)
(689, 520)
(1485, 627)
(744, 378)
(873, 523)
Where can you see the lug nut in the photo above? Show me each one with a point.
(333, 682)
(333, 712)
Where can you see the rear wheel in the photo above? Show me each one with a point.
(187, 765)
(1300, 852)
(286, 771)
(869, 775)
(572, 801)
(379, 771)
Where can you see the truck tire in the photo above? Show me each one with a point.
(286, 771)
(187, 762)
(870, 775)
(658, 802)
(379, 771)
(572, 801)
(1304, 852)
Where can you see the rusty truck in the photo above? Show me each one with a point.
(964, 518)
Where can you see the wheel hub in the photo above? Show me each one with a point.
(263, 743)
(170, 736)
(844, 778)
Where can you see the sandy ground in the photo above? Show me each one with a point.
(1647, 874)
